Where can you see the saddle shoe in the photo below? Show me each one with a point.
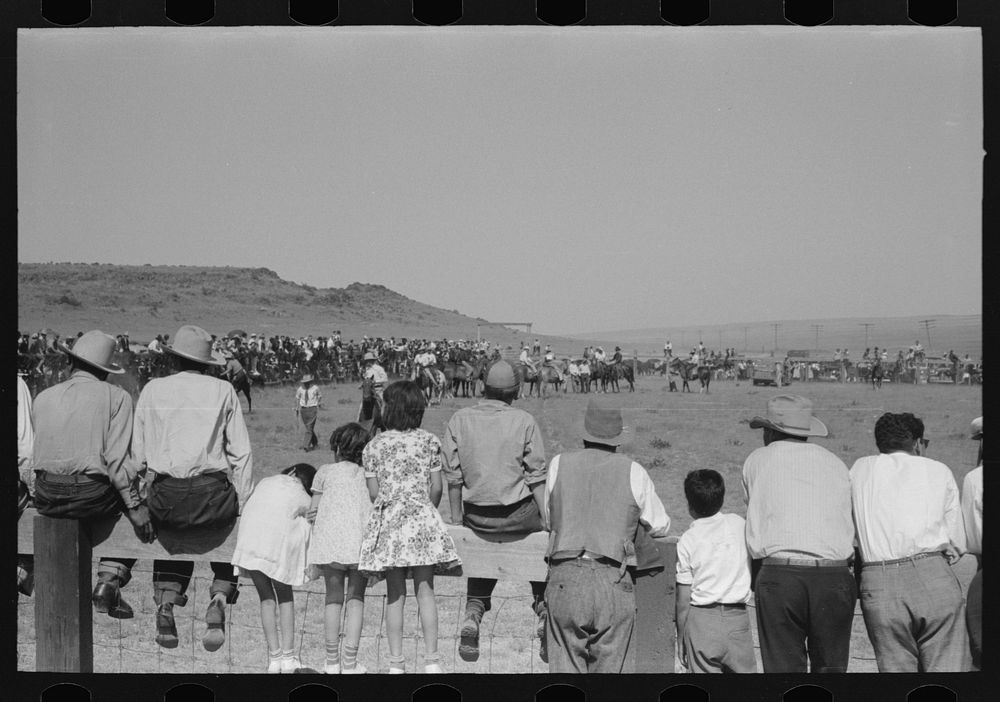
(215, 618)
(166, 628)
(107, 599)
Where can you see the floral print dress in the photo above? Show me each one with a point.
(404, 529)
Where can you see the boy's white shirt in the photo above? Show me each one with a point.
(712, 558)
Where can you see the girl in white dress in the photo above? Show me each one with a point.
(271, 547)
(341, 506)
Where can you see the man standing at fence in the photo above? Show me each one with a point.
(602, 510)
(972, 513)
(83, 427)
(801, 535)
(910, 533)
(190, 436)
(495, 469)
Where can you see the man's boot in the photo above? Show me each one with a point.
(541, 611)
(215, 618)
(468, 647)
(108, 600)
(166, 628)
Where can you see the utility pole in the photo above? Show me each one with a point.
(928, 325)
(775, 335)
(866, 325)
(817, 328)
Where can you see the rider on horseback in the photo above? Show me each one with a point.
(376, 374)
(550, 362)
(425, 360)
(526, 359)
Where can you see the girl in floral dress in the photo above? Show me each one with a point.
(342, 506)
(403, 469)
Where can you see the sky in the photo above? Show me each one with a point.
(583, 179)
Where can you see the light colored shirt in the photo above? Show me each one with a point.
(84, 425)
(652, 514)
(798, 498)
(712, 558)
(25, 430)
(495, 452)
(376, 373)
(190, 424)
(905, 505)
(308, 397)
(154, 345)
(972, 509)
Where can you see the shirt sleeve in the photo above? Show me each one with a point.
(651, 511)
(449, 448)
(953, 513)
(319, 480)
(550, 482)
(684, 574)
(238, 448)
(116, 449)
(972, 513)
(533, 458)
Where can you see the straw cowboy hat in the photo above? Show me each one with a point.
(307, 378)
(790, 414)
(95, 348)
(977, 428)
(369, 356)
(194, 344)
(603, 425)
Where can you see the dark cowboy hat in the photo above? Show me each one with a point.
(603, 425)
(790, 414)
(95, 348)
(194, 344)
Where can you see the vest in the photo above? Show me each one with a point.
(592, 509)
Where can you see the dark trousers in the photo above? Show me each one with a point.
(308, 416)
(206, 501)
(92, 501)
(805, 614)
(519, 518)
(974, 617)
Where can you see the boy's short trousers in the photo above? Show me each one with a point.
(718, 640)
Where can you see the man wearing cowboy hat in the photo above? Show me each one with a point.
(603, 510)
(972, 513)
(190, 436)
(495, 469)
(80, 468)
(375, 373)
(307, 402)
(801, 536)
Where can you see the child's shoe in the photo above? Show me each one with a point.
(274, 661)
(396, 665)
(289, 662)
(432, 663)
(332, 669)
(358, 669)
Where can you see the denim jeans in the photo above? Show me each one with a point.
(591, 617)
(915, 615)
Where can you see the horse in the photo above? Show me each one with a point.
(462, 375)
(370, 412)
(524, 374)
(547, 375)
(690, 371)
(877, 373)
(621, 370)
(435, 385)
(241, 382)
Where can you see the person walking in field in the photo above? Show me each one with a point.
(972, 515)
(190, 437)
(271, 547)
(495, 469)
(713, 582)
(910, 532)
(79, 464)
(801, 534)
(307, 404)
(602, 510)
(342, 507)
(405, 529)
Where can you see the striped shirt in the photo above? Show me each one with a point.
(798, 498)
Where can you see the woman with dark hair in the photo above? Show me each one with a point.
(271, 549)
(405, 529)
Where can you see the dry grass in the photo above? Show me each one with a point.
(671, 434)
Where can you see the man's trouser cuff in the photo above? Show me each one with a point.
(109, 569)
(169, 593)
(223, 587)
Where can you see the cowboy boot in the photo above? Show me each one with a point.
(108, 600)
(468, 648)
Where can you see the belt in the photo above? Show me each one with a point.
(907, 559)
(72, 479)
(215, 475)
(723, 605)
(808, 562)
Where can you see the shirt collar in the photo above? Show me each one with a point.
(709, 520)
(494, 404)
(81, 373)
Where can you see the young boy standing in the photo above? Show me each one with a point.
(713, 582)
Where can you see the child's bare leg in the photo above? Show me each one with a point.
(286, 616)
(395, 585)
(265, 590)
(423, 586)
(355, 618)
(332, 613)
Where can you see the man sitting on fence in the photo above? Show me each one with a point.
(602, 510)
(80, 458)
(495, 468)
(190, 436)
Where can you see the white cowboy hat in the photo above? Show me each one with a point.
(790, 414)
(95, 348)
(195, 344)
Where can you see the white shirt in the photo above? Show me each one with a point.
(904, 505)
(712, 558)
(376, 373)
(154, 345)
(651, 511)
(308, 397)
(972, 509)
(524, 356)
(25, 427)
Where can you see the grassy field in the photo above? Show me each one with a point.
(670, 434)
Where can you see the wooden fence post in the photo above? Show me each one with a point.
(654, 620)
(64, 634)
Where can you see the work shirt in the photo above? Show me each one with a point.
(84, 425)
(712, 558)
(189, 424)
(905, 505)
(495, 452)
(972, 509)
(308, 397)
(376, 373)
(25, 431)
(652, 514)
(798, 498)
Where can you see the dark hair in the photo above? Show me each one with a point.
(349, 440)
(705, 491)
(403, 405)
(304, 472)
(492, 393)
(897, 432)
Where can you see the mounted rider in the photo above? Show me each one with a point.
(375, 373)
(526, 359)
(550, 362)
(425, 361)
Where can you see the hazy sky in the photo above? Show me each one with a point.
(582, 178)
